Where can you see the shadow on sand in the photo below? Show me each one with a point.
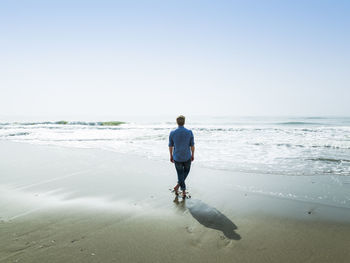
(209, 216)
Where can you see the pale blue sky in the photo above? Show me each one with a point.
(62, 58)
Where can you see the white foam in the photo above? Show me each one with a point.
(243, 144)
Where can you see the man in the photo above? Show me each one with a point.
(181, 148)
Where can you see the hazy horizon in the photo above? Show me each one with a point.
(162, 118)
(197, 58)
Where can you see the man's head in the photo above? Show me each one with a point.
(180, 120)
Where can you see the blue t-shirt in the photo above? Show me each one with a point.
(181, 139)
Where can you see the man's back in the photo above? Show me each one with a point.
(181, 149)
(181, 139)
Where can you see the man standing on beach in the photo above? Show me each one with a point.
(181, 148)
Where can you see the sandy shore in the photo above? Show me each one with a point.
(83, 205)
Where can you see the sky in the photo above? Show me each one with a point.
(245, 58)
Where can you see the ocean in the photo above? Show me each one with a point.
(290, 146)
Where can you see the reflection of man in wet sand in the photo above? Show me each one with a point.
(181, 148)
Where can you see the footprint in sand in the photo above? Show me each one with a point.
(189, 229)
(77, 239)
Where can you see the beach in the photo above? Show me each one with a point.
(106, 104)
(62, 204)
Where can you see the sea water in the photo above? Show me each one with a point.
(288, 146)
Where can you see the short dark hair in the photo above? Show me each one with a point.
(180, 120)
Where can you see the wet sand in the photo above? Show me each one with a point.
(83, 205)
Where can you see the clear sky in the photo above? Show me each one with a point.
(170, 57)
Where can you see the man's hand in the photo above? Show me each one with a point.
(171, 153)
(192, 153)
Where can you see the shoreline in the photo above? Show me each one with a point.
(69, 167)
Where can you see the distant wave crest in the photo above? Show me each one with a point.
(17, 134)
(99, 123)
(298, 123)
(329, 160)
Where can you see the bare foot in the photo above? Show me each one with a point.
(176, 188)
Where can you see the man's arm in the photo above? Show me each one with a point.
(192, 146)
(192, 151)
(171, 148)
